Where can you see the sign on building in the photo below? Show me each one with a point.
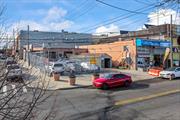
(92, 60)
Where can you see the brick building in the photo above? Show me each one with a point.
(134, 53)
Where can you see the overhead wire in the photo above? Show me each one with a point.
(124, 16)
(90, 8)
(77, 8)
(113, 6)
(141, 2)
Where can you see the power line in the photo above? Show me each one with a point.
(118, 18)
(77, 8)
(85, 7)
(141, 2)
(130, 11)
(122, 18)
(85, 12)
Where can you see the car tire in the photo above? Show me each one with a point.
(105, 86)
(172, 77)
(20, 79)
(127, 83)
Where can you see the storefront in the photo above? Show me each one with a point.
(150, 52)
(176, 51)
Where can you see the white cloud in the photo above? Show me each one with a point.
(163, 16)
(22, 25)
(53, 21)
(55, 14)
(105, 30)
(52, 26)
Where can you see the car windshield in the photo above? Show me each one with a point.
(171, 69)
(3, 58)
(58, 65)
(107, 76)
(13, 67)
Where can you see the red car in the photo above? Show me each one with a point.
(112, 80)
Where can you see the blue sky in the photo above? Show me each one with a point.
(79, 15)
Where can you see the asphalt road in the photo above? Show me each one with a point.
(95, 104)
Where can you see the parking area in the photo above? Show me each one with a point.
(35, 76)
(42, 79)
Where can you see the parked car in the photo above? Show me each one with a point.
(155, 71)
(2, 59)
(55, 67)
(14, 71)
(112, 80)
(73, 67)
(90, 67)
(10, 61)
(171, 73)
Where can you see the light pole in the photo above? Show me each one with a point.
(28, 47)
(171, 41)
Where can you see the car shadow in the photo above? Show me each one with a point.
(152, 80)
(133, 86)
(141, 84)
(167, 79)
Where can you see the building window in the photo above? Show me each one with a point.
(178, 40)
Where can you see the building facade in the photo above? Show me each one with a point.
(136, 53)
(51, 40)
(151, 32)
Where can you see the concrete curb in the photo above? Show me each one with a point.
(70, 88)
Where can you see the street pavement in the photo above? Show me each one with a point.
(146, 99)
(95, 104)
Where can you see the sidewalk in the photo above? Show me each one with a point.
(36, 78)
(39, 79)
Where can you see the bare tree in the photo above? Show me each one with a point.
(18, 100)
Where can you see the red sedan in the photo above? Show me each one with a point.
(112, 80)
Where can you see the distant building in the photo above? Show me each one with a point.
(160, 32)
(40, 38)
(51, 40)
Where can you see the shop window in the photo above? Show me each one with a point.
(178, 40)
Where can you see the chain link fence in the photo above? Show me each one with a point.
(78, 66)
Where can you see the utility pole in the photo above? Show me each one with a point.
(28, 46)
(171, 41)
(14, 49)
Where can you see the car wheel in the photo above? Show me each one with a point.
(105, 86)
(20, 79)
(127, 83)
(172, 77)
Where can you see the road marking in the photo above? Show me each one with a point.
(4, 90)
(133, 100)
(24, 89)
(14, 88)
